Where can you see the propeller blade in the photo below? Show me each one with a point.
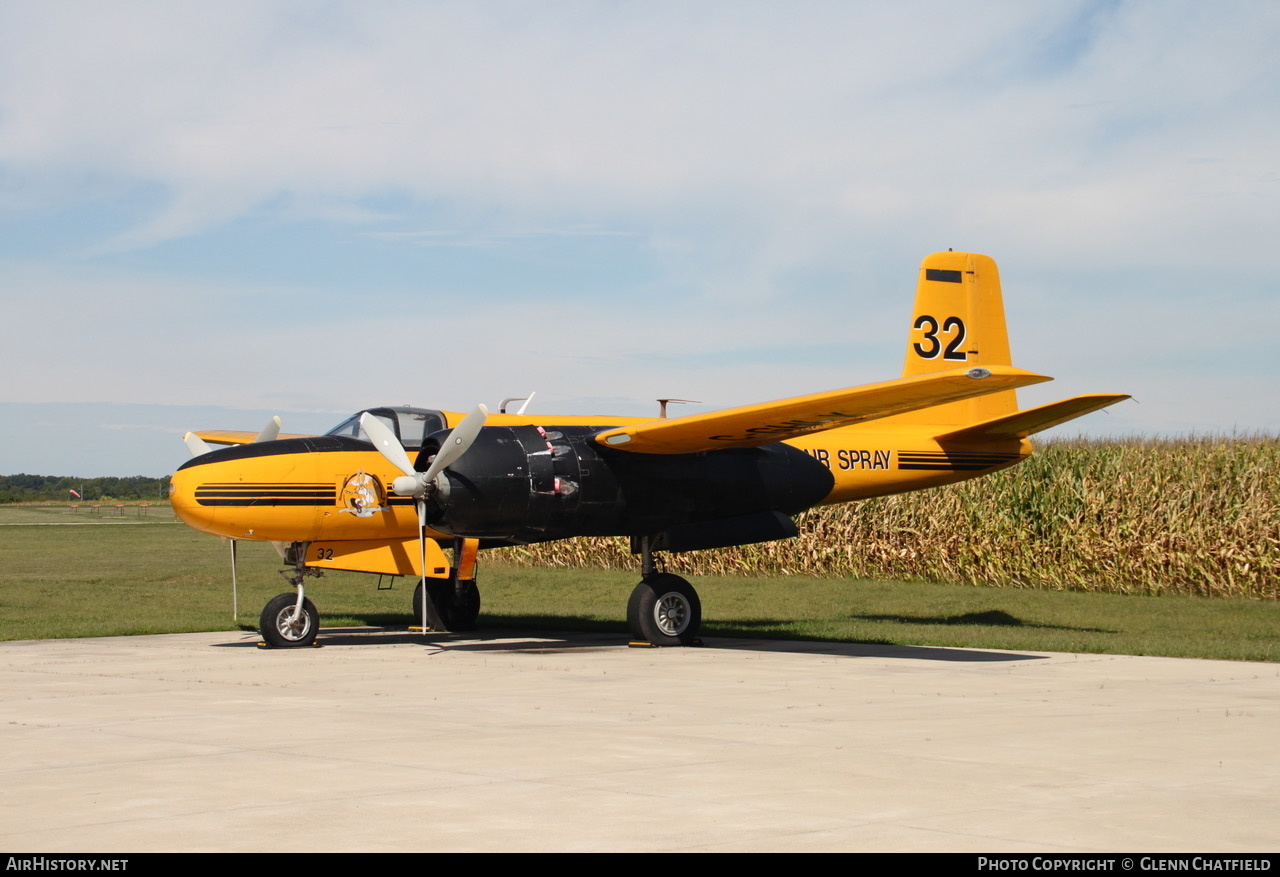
(387, 444)
(196, 445)
(458, 442)
(270, 431)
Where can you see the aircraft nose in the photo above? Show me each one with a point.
(182, 499)
(186, 488)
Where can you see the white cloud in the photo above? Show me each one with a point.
(774, 173)
(755, 113)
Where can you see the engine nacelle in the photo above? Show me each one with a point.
(529, 484)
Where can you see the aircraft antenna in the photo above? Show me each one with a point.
(502, 408)
(662, 405)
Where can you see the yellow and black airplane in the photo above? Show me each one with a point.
(391, 489)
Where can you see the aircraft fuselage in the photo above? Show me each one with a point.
(523, 483)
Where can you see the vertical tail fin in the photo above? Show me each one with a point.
(958, 320)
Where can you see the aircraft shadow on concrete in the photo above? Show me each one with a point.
(991, 618)
(548, 640)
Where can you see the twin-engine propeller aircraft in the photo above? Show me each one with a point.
(391, 489)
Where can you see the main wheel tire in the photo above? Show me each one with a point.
(458, 611)
(664, 610)
(281, 630)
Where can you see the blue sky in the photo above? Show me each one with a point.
(210, 213)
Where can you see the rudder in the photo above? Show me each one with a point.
(958, 319)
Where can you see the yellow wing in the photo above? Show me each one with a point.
(236, 437)
(754, 425)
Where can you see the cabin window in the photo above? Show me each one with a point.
(411, 425)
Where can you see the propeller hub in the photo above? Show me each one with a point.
(409, 485)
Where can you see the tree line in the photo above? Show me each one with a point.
(38, 488)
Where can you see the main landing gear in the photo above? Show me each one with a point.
(664, 609)
(457, 603)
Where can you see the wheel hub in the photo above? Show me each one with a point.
(292, 627)
(671, 614)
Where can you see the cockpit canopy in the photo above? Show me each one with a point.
(411, 425)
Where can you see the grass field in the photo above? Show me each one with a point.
(64, 574)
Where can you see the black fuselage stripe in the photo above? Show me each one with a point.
(266, 485)
(313, 494)
(252, 501)
(955, 454)
(942, 467)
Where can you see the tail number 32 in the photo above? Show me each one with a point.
(953, 326)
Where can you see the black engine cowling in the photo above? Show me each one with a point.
(529, 484)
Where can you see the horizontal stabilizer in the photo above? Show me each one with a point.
(753, 425)
(1021, 424)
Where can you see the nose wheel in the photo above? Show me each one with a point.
(283, 626)
(290, 621)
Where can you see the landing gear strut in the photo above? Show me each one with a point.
(457, 604)
(291, 620)
(456, 600)
(664, 609)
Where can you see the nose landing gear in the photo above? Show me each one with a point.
(290, 621)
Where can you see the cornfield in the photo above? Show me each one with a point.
(1192, 516)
